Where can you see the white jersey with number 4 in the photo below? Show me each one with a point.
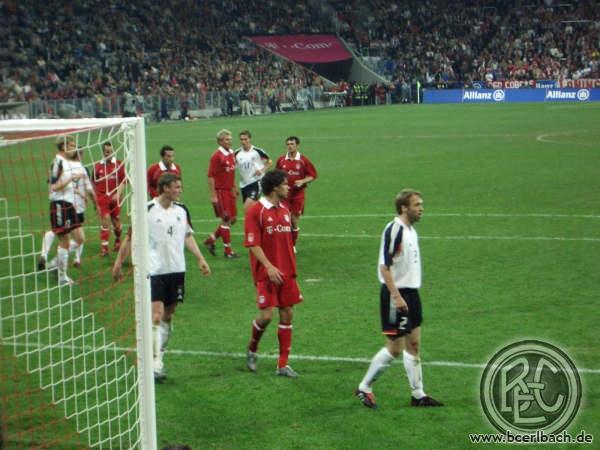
(399, 251)
(248, 162)
(168, 229)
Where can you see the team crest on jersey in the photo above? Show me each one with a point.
(286, 217)
(297, 166)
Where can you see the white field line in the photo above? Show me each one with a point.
(318, 358)
(439, 238)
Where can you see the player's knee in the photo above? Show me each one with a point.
(413, 348)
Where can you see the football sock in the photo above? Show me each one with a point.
(210, 239)
(295, 232)
(217, 234)
(47, 242)
(78, 252)
(156, 341)
(412, 364)
(226, 235)
(257, 333)
(380, 362)
(165, 333)
(104, 236)
(118, 233)
(62, 262)
(284, 335)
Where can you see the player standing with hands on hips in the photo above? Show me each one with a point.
(399, 272)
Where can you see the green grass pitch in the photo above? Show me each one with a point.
(509, 238)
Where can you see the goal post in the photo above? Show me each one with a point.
(76, 356)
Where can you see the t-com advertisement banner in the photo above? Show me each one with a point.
(304, 48)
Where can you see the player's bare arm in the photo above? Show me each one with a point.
(212, 190)
(274, 274)
(399, 302)
(303, 181)
(121, 257)
(192, 246)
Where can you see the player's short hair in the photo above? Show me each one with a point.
(271, 180)
(165, 148)
(245, 133)
(222, 133)
(107, 144)
(166, 179)
(62, 140)
(403, 198)
(293, 138)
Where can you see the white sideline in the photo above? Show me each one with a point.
(326, 358)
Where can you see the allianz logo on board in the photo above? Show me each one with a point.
(582, 95)
(497, 95)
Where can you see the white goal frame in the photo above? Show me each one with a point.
(136, 162)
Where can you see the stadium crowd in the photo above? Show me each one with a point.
(445, 43)
(91, 48)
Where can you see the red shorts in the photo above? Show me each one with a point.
(108, 207)
(271, 295)
(225, 207)
(295, 204)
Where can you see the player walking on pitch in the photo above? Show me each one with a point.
(252, 163)
(300, 171)
(222, 190)
(268, 235)
(170, 231)
(399, 272)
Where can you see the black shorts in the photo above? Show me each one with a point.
(395, 323)
(251, 191)
(168, 288)
(63, 217)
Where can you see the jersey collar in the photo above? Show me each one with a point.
(225, 152)
(296, 158)
(113, 160)
(162, 166)
(399, 221)
(266, 203)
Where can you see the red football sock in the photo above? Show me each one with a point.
(284, 334)
(226, 236)
(118, 233)
(217, 233)
(104, 235)
(257, 333)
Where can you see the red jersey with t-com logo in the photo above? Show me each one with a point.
(270, 227)
(297, 168)
(222, 169)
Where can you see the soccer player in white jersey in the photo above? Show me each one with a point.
(83, 191)
(170, 231)
(63, 216)
(252, 163)
(399, 272)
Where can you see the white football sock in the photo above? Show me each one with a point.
(380, 362)
(156, 342)
(165, 333)
(78, 252)
(62, 262)
(414, 372)
(47, 242)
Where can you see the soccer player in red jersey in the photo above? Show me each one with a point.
(222, 189)
(268, 235)
(109, 182)
(165, 165)
(300, 171)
